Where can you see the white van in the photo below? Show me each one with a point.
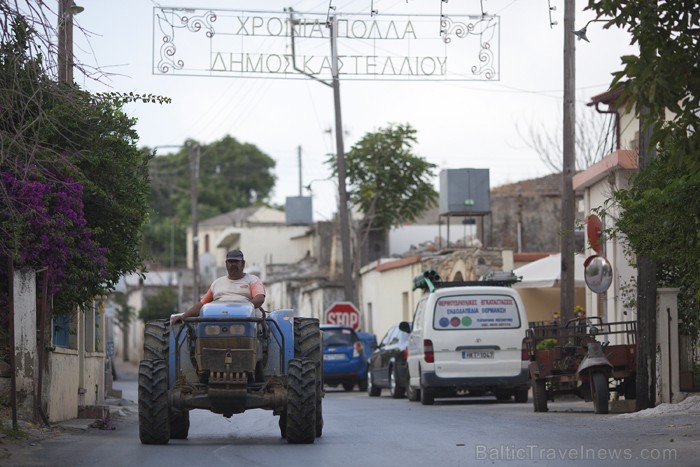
(468, 338)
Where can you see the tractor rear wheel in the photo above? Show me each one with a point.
(154, 427)
(179, 424)
(307, 344)
(156, 339)
(301, 401)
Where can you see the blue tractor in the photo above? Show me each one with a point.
(229, 359)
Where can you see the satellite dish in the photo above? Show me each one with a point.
(598, 273)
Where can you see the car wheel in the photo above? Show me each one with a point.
(348, 386)
(412, 393)
(396, 390)
(427, 396)
(372, 390)
(362, 385)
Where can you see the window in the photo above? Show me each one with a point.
(61, 330)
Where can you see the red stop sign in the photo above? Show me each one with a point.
(343, 314)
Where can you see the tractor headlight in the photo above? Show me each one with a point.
(212, 330)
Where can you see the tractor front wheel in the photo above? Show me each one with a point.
(154, 425)
(301, 401)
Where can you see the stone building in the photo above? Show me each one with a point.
(526, 216)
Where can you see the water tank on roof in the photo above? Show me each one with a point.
(297, 210)
(464, 191)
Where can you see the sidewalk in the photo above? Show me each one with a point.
(119, 409)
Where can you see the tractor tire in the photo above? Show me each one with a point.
(301, 401)
(154, 427)
(539, 395)
(600, 392)
(372, 389)
(283, 424)
(179, 424)
(156, 339)
(307, 344)
(396, 390)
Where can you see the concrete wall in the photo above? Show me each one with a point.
(26, 357)
(61, 384)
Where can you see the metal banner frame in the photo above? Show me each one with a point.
(237, 43)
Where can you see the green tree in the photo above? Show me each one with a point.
(74, 185)
(665, 76)
(159, 306)
(232, 175)
(387, 181)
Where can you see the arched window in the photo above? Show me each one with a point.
(458, 277)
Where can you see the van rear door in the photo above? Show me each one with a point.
(478, 334)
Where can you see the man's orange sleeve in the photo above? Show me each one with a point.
(257, 288)
(207, 298)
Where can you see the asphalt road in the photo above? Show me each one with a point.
(360, 430)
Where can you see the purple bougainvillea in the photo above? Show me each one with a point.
(47, 223)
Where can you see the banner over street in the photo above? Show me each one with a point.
(232, 43)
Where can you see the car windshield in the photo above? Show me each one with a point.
(338, 337)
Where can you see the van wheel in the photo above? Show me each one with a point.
(521, 395)
(427, 396)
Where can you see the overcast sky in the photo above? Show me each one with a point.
(460, 124)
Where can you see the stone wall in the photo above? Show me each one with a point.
(536, 206)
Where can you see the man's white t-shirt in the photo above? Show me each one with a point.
(240, 290)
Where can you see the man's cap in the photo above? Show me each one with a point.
(234, 255)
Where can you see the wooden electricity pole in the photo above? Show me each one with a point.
(194, 178)
(568, 213)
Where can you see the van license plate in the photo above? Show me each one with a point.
(478, 354)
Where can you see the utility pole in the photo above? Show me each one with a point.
(66, 10)
(299, 158)
(646, 293)
(348, 284)
(569, 167)
(194, 178)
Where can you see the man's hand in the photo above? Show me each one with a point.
(177, 318)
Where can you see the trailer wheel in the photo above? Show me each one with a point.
(301, 401)
(179, 424)
(600, 392)
(156, 339)
(539, 395)
(154, 427)
(307, 344)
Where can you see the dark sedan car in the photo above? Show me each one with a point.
(387, 365)
(344, 359)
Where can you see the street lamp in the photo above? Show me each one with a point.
(581, 33)
(66, 10)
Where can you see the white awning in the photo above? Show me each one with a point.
(546, 272)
